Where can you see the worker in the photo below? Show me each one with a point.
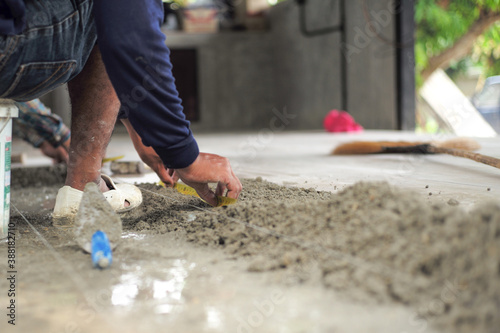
(41, 128)
(113, 55)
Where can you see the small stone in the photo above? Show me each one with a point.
(259, 179)
(453, 202)
(426, 186)
(162, 229)
(430, 193)
(143, 225)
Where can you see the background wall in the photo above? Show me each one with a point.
(307, 71)
(244, 76)
(371, 73)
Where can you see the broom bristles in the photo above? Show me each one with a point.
(458, 143)
(373, 147)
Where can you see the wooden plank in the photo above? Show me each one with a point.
(453, 108)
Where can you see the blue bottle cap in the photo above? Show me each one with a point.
(102, 256)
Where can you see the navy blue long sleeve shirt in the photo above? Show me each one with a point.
(138, 64)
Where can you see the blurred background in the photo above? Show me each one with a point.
(414, 65)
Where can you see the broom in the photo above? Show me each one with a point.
(460, 147)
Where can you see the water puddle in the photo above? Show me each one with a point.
(157, 286)
(133, 235)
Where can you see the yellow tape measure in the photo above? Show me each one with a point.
(111, 159)
(188, 190)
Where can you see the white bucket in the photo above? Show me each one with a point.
(7, 111)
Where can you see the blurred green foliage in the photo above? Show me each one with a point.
(440, 23)
(487, 51)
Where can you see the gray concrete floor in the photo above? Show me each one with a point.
(302, 159)
(178, 287)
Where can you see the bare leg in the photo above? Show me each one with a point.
(94, 110)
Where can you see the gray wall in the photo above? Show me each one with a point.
(244, 75)
(307, 72)
(235, 78)
(371, 79)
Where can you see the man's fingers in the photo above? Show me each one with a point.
(165, 177)
(221, 188)
(211, 168)
(168, 182)
(63, 155)
(234, 187)
(174, 175)
(206, 193)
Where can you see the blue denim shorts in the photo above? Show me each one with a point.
(53, 48)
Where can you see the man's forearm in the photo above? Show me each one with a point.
(138, 64)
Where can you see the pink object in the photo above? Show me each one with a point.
(341, 121)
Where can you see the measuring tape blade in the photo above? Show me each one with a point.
(111, 159)
(188, 190)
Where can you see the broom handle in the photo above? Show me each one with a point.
(494, 162)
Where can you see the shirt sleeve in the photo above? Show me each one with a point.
(138, 64)
(12, 17)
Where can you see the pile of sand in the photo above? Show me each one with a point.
(373, 242)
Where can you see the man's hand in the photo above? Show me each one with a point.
(149, 156)
(210, 168)
(207, 168)
(58, 155)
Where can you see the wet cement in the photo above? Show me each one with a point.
(372, 244)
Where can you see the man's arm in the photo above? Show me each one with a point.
(37, 125)
(138, 65)
(206, 168)
(149, 156)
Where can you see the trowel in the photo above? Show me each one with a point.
(97, 226)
